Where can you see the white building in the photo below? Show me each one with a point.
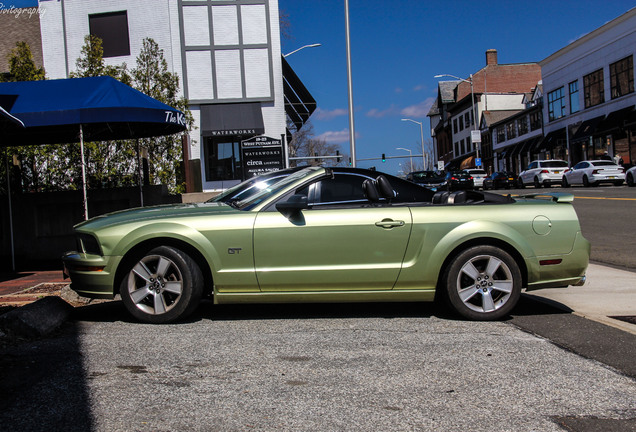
(227, 54)
(589, 94)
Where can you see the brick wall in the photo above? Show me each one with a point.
(20, 25)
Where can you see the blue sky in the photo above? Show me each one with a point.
(398, 46)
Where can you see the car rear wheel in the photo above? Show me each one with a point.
(483, 283)
(162, 286)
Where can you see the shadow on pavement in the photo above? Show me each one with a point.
(43, 386)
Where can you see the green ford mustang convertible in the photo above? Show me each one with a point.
(332, 235)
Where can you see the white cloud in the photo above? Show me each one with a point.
(418, 87)
(335, 136)
(419, 110)
(321, 114)
(376, 113)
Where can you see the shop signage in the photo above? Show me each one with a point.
(260, 155)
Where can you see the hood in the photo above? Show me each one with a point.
(168, 211)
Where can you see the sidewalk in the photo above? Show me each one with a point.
(18, 289)
(608, 292)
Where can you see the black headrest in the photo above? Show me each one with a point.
(440, 197)
(384, 188)
(457, 197)
(370, 191)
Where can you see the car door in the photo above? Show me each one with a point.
(343, 244)
(577, 172)
(528, 175)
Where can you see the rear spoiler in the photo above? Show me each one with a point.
(559, 197)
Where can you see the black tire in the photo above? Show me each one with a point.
(564, 182)
(537, 183)
(483, 283)
(162, 286)
(618, 183)
(630, 180)
(520, 183)
(586, 181)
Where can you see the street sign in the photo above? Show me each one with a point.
(475, 136)
(440, 165)
(478, 162)
(260, 155)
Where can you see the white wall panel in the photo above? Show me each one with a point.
(254, 24)
(225, 25)
(257, 73)
(199, 64)
(196, 26)
(228, 74)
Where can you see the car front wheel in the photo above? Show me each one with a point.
(520, 183)
(162, 286)
(483, 283)
(537, 183)
(564, 182)
(630, 180)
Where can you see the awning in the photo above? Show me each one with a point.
(615, 120)
(550, 141)
(587, 129)
(9, 121)
(469, 162)
(525, 146)
(299, 103)
(244, 119)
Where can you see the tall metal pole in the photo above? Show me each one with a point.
(83, 173)
(472, 95)
(6, 157)
(424, 161)
(352, 133)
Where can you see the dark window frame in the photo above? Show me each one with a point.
(622, 77)
(112, 29)
(594, 88)
(556, 104)
(573, 90)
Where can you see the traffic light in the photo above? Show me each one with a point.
(383, 157)
(350, 164)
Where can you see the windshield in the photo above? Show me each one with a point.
(604, 163)
(554, 164)
(426, 175)
(269, 190)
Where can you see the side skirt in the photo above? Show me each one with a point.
(326, 297)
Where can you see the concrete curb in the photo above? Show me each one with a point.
(35, 320)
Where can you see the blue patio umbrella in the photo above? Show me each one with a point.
(79, 109)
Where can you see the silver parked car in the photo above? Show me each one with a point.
(478, 176)
(543, 173)
(630, 176)
(593, 173)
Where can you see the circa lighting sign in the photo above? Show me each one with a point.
(260, 155)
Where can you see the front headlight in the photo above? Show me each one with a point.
(88, 244)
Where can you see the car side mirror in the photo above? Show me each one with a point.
(293, 205)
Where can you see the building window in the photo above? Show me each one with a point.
(622, 77)
(501, 134)
(535, 120)
(461, 122)
(511, 132)
(457, 149)
(223, 158)
(574, 96)
(463, 147)
(467, 119)
(556, 105)
(112, 29)
(454, 125)
(522, 125)
(593, 88)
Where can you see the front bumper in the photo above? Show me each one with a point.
(91, 276)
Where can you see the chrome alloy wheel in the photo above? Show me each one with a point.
(155, 284)
(484, 283)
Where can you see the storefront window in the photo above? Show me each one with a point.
(223, 159)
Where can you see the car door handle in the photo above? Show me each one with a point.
(389, 223)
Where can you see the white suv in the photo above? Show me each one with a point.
(478, 176)
(543, 173)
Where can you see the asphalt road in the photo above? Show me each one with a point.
(607, 220)
(359, 367)
(369, 367)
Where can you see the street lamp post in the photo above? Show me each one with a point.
(472, 95)
(410, 156)
(352, 132)
(302, 47)
(422, 138)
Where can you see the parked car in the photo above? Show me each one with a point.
(434, 180)
(630, 176)
(478, 176)
(542, 173)
(459, 180)
(593, 173)
(500, 180)
(291, 243)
